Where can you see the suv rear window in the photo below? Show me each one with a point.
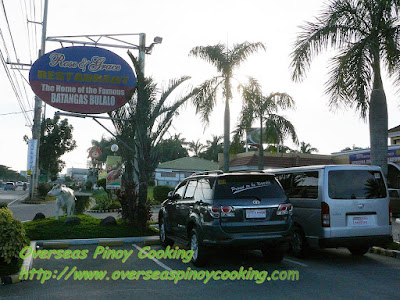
(356, 184)
(245, 186)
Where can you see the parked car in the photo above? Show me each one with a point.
(394, 195)
(216, 209)
(9, 186)
(337, 206)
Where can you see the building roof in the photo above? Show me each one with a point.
(394, 129)
(280, 161)
(189, 163)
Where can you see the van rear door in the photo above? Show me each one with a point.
(358, 202)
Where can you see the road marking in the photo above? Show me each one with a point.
(25, 221)
(295, 262)
(397, 221)
(154, 259)
(16, 200)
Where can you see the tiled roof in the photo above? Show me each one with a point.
(189, 163)
(280, 161)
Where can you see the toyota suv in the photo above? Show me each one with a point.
(216, 209)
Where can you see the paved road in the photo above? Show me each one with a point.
(329, 274)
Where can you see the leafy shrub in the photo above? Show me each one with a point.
(82, 204)
(160, 192)
(12, 237)
(3, 205)
(103, 202)
(89, 185)
(43, 189)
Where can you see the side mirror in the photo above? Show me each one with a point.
(170, 195)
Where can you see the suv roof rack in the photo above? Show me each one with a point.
(207, 172)
(248, 171)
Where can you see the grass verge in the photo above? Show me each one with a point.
(393, 246)
(51, 229)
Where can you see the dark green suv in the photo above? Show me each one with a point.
(216, 209)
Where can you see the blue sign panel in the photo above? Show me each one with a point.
(83, 79)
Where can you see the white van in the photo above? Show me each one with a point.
(337, 206)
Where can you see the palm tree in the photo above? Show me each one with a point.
(264, 109)
(196, 147)
(366, 34)
(306, 148)
(226, 60)
(149, 115)
(214, 146)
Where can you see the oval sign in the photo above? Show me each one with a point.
(82, 79)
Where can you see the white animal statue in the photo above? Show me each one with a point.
(65, 198)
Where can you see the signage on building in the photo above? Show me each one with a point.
(364, 158)
(82, 79)
(32, 148)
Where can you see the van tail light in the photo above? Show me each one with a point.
(390, 213)
(214, 211)
(325, 216)
(284, 209)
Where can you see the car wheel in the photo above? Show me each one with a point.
(199, 258)
(298, 244)
(164, 241)
(361, 250)
(274, 254)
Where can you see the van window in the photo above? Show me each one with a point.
(179, 191)
(356, 184)
(304, 185)
(285, 180)
(255, 186)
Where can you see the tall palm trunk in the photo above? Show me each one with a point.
(261, 148)
(378, 123)
(226, 135)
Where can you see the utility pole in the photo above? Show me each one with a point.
(38, 112)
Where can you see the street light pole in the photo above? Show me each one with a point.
(38, 112)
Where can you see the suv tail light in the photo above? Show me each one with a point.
(223, 211)
(325, 216)
(284, 209)
(214, 211)
(390, 213)
(227, 211)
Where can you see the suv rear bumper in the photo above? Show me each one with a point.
(251, 240)
(374, 240)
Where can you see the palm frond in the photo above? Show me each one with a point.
(215, 55)
(241, 52)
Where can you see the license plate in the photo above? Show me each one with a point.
(256, 214)
(361, 220)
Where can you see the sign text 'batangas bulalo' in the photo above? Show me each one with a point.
(82, 79)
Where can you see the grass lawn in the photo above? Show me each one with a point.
(9, 269)
(51, 229)
(394, 246)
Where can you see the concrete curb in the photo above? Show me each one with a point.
(26, 265)
(100, 241)
(385, 252)
(104, 211)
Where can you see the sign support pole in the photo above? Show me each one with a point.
(38, 112)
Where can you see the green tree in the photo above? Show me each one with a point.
(172, 148)
(226, 60)
(307, 148)
(7, 174)
(366, 35)
(150, 116)
(196, 147)
(56, 140)
(213, 147)
(264, 109)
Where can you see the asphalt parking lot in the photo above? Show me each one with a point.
(328, 274)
